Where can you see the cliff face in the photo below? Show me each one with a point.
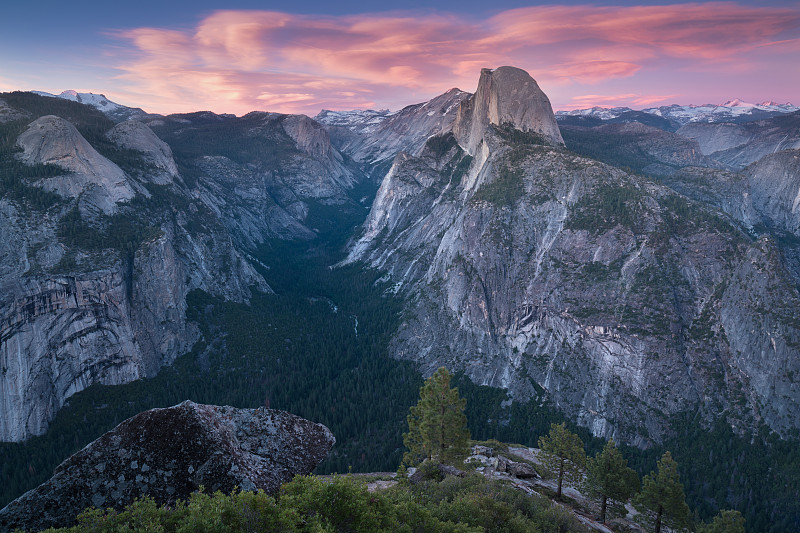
(70, 318)
(531, 268)
(774, 183)
(94, 287)
(506, 95)
(739, 145)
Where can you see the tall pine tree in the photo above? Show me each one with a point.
(563, 453)
(609, 478)
(437, 426)
(662, 494)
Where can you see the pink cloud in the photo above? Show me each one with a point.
(237, 61)
(593, 71)
(617, 100)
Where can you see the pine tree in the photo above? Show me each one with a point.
(563, 454)
(609, 478)
(662, 493)
(726, 521)
(437, 426)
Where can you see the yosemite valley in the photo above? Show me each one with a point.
(633, 273)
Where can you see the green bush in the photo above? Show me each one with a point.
(309, 504)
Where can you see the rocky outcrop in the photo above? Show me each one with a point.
(53, 140)
(495, 463)
(505, 96)
(167, 454)
(10, 114)
(133, 135)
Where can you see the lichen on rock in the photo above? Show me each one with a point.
(169, 453)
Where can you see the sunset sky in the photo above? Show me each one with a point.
(305, 56)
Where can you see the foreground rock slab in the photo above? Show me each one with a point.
(169, 453)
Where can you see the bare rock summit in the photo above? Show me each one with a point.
(169, 453)
(134, 135)
(505, 96)
(53, 140)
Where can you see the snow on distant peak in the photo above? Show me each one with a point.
(366, 120)
(115, 111)
(98, 101)
(737, 103)
(603, 113)
(735, 110)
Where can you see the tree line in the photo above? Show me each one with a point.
(437, 432)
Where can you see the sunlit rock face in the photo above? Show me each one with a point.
(167, 454)
(505, 96)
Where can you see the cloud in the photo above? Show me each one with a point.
(593, 71)
(236, 61)
(617, 100)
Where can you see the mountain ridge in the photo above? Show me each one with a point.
(512, 269)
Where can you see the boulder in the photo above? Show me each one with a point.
(501, 464)
(521, 470)
(169, 453)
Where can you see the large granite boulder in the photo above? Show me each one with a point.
(168, 454)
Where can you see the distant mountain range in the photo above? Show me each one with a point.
(369, 120)
(731, 111)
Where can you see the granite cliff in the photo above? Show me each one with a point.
(531, 268)
(94, 281)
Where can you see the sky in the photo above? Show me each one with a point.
(301, 57)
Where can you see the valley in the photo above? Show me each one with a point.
(638, 280)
